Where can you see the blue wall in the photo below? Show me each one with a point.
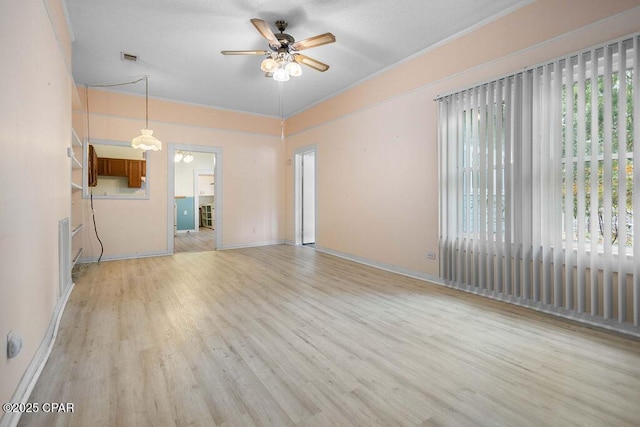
(185, 221)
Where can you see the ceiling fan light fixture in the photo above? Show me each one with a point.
(283, 60)
(281, 75)
(188, 158)
(268, 65)
(178, 156)
(293, 69)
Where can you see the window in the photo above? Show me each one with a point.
(537, 184)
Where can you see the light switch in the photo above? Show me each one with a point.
(185, 212)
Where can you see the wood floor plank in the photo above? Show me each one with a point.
(195, 241)
(284, 335)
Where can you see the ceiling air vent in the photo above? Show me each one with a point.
(129, 57)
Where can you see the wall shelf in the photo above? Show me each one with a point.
(76, 257)
(74, 151)
(75, 163)
(75, 140)
(76, 230)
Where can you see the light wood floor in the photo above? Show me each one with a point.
(285, 335)
(195, 241)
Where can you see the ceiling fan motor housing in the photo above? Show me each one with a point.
(285, 38)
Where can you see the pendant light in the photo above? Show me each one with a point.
(146, 141)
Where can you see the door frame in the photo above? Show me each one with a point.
(171, 187)
(297, 191)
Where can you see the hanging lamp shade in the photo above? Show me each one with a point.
(294, 69)
(268, 65)
(146, 141)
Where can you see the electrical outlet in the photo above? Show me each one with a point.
(14, 345)
(185, 212)
(431, 255)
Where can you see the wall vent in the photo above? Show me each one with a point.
(129, 57)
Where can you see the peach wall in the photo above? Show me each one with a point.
(35, 119)
(118, 104)
(377, 148)
(253, 178)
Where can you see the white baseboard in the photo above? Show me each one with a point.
(125, 256)
(31, 375)
(383, 266)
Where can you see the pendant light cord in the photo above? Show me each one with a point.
(281, 110)
(146, 96)
(146, 92)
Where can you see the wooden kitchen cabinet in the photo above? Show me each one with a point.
(134, 170)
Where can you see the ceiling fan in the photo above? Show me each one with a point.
(282, 59)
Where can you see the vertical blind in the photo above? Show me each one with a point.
(537, 181)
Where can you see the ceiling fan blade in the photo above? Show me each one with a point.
(244, 52)
(266, 32)
(310, 62)
(314, 41)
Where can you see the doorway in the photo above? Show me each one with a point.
(194, 198)
(305, 173)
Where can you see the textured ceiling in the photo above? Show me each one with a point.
(178, 43)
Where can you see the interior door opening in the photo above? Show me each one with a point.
(194, 198)
(305, 176)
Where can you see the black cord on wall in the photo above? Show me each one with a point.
(95, 227)
(93, 212)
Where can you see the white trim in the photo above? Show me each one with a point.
(382, 266)
(126, 256)
(86, 190)
(217, 188)
(33, 371)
